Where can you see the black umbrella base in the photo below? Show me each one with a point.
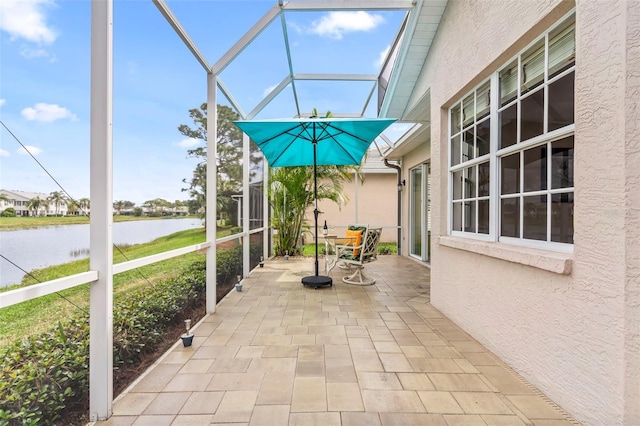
(317, 281)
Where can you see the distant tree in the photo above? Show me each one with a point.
(35, 204)
(57, 199)
(84, 204)
(72, 207)
(8, 212)
(5, 198)
(119, 205)
(137, 211)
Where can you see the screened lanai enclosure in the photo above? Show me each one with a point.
(299, 87)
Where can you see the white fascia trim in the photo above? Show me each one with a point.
(182, 33)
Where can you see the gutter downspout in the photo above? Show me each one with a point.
(399, 170)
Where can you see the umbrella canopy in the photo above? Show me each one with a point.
(289, 142)
(314, 142)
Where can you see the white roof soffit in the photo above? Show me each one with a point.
(418, 134)
(415, 44)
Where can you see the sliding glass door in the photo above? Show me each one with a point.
(419, 221)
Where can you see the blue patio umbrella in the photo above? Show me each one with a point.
(314, 142)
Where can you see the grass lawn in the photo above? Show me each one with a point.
(18, 222)
(39, 314)
(383, 248)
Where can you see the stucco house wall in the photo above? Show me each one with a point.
(372, 202)
(568, 323)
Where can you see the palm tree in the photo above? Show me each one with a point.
(57, 198)
(119, 205)
(291, 194)
(35, 204)
(84, 204)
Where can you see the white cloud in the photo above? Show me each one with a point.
(26, 19)
(28, 53)
(335, 24)
(2, 102)
(4, 153)
(188, 143)
(47, 113)
(381, 58)
(34, 150)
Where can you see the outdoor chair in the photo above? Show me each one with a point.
(358, 255)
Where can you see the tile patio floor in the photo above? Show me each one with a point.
(281, 354)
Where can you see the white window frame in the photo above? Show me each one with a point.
(495, 154)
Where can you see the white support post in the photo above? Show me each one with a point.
(101, 223)
(246, 208)
(212, 192)
(265, 209)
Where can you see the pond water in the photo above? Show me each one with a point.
(53, 245)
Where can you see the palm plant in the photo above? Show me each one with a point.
(291, 195)
(35, 204)
(57, 198)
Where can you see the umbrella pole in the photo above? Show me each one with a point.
(316, 280)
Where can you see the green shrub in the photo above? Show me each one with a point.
(8, 212)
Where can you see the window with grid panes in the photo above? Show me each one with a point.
(523, 165)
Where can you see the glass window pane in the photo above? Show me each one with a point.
(509, 126)
(562, 163)
(510, 174)
(509, 83)
(483, 179)
(455, 119)
(457, 217)
(510, 217)
(470, 216)
(532, 74)
(483, 216)
(457, 185)
(535, 169)
(468, 111)
(483, 100)
(534, 218)
(467, 145)
(562, 218)
(562, 48)
(483, 137)
(470, 182)
(532, 115)
(455, 150)
(561, 102)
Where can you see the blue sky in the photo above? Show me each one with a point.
(45, 76)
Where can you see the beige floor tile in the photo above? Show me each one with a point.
(310, 369)
(230, 365)
(118, 421)
(272, 339)
(311, 353)
(405, 337)
(236, 406)
(505, 381)
(236, 381)
(481, 403)
(337, 352)
(415, 381)
(444, 352)
(280, 351)
(395, 362)
(314, 419)
(431, 339)
(439, 402)
(195, 366)
(535, 407)
(399, 401)
(188, 383)
(177, 357)
(167, 403)
(387, 347)
(344, 397)
(378, 381)
(192, 420)
(360, 342)
(309, 395)
(277, 388)
(273, 364)
(464, 420)
(159, 420)
(545, 422)
(356, 331)
(360, 419)
(302, 340)
(202, 403)
(433, 365)
(458, 382)
(156, 379)
(216, 352)
(270, 415)
(496, 420)
(366, 360)
(250, 352)
(415, 351)
(133, 404)
(411, 419)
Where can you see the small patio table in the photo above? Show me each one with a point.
(330, 252)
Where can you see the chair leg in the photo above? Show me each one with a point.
(358, 278)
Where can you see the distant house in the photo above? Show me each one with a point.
(19, 201)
